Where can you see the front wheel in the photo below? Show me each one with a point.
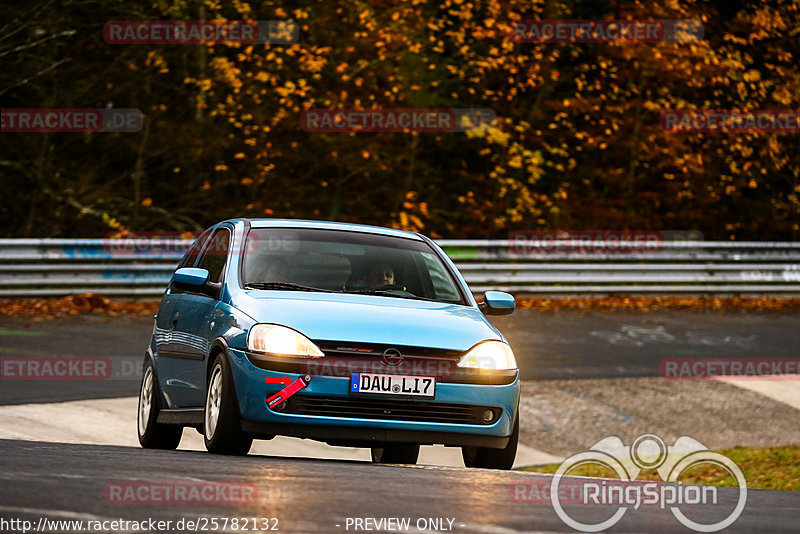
(222, 431)
(493, 458)
(154, 435)
(396, 453)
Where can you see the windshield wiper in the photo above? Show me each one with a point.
(286, 286)
(384, 293)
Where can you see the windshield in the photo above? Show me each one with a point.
(342, 261)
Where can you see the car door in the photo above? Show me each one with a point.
(168, 348)
(190, 320)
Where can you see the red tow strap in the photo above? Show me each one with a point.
(288, 391)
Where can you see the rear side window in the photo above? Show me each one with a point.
(215, 254)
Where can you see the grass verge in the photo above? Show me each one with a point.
(772, 468)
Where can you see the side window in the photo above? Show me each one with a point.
(443, 284)
(194, 251)
(216, 254)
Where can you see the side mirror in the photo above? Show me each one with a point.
(190, 277)
(497, 303)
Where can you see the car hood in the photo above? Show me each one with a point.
(371, 319)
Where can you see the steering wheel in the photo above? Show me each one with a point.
(389, 287)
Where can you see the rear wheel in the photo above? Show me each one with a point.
(396, 453)
(154, 435)
(222, 431)
(493, 458)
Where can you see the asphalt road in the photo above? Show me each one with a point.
(67, 481)
(75, 482)
(548, 345)
(120, 339)
(630, 344)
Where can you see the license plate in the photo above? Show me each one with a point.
(398, 385)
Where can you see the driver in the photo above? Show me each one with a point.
(381, 275)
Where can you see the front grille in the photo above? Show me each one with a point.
(348, 348)
(395, 410)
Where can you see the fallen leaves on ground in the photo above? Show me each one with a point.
(100, 305)
(647, 304)
(76, 305)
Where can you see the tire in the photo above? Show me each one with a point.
(493, 458)
(396, 453)
(222, 430)
(154, 435)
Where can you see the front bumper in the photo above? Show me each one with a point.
(353, 424)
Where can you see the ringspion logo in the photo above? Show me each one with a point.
(647, 452)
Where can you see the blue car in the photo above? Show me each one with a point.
(353, 335)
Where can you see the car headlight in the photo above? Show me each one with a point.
(494, 355)
(281, 341)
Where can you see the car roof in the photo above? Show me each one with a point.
(328, 225)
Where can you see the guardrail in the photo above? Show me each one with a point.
(56, 267)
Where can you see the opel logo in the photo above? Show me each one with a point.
(392, 357)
